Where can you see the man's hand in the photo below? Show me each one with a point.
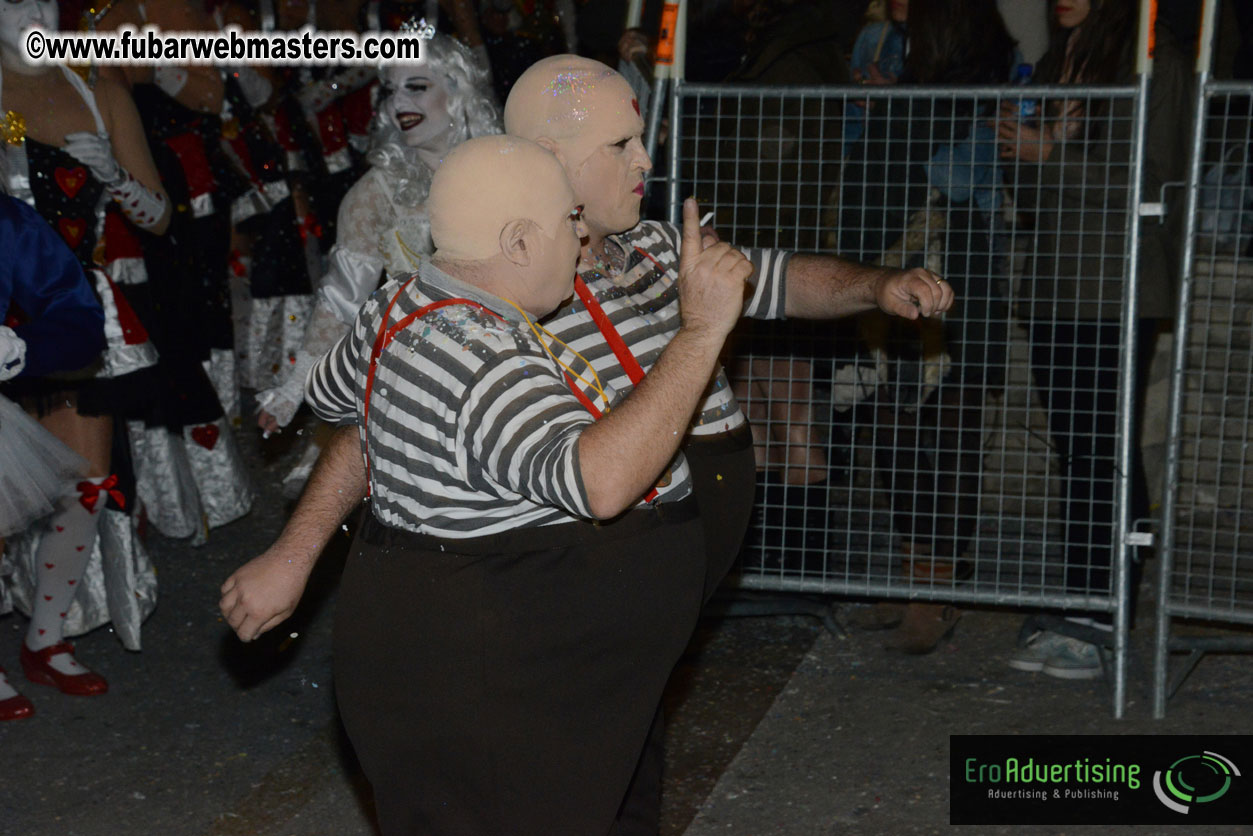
(713, 277)
(913, 293)
(264, 592)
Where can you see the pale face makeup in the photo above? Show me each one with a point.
(16, 18)
(1072, 13)
(589, 115)
(418, 106)
(607, 164)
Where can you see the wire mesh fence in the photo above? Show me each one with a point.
(1207, 553)
(972, 457)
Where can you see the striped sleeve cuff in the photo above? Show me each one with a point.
(769, 285)
(770, 269)
(329, 388)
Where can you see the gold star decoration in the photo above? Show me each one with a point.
(14, 128)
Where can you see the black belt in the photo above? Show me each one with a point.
(533, 538)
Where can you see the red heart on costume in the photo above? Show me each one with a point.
(72, 230)
(77, 549)
(206, 436)
(60, 528)
(70, 179)
(41, 632)
(51, 565)
(73, 582)
(47, 597)
(61, 614)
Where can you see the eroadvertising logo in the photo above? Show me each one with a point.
(1211, 772)
(1100, 779)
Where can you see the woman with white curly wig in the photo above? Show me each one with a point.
(424, 111)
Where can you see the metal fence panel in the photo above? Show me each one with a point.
(1207, 555)
(977, 458)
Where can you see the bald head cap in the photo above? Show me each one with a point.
(485, 184)
(561, 96)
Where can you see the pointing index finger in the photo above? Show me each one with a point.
(691, 246)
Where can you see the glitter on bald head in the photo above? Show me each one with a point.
(572, 82)
(559, 97)
(573, 85)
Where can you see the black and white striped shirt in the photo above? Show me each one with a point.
(472, 429)
(642, 301)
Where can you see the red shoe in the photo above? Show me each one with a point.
(35, 665)
(15, 707)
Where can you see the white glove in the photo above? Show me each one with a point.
(95, 152)
(12, 353)
(142, 205)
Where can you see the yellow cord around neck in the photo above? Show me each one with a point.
(595, 385)
(412, 256)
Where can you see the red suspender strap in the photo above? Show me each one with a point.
(627, 360)
(375, 351)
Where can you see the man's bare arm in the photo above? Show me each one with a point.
(264, 591)
(827, 287)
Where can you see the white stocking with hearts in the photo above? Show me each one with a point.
(61, 560)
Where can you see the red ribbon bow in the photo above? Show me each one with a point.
(91, 493)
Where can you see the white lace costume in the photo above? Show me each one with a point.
(376, 235)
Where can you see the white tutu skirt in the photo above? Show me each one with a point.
(36, 469)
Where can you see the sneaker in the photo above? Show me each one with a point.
(1039, 649)
(1077, 660)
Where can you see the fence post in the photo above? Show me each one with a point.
(1178, 362)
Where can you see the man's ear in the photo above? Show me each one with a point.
(515, 243)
